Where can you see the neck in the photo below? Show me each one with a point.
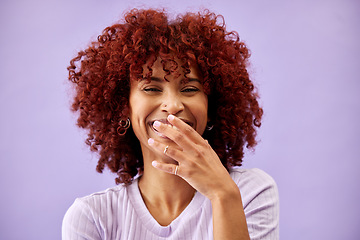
(165, 195)
(164, 189)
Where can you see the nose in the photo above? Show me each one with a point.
(172, 104)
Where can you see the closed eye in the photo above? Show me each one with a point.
(192, 89)
(151, 90)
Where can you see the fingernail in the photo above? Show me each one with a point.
(153, 163)
(150, 141)
(171, 117)
(157, 124)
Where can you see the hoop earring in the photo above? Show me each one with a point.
(209, 128)
(123, 126)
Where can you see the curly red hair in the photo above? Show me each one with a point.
(102, 73)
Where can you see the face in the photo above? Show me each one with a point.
(155, 100)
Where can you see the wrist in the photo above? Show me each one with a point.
(229, 193)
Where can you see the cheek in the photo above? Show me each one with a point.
(136, 106)
(139, 111)
(137, 115)
(201, 115)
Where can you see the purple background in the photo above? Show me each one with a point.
(305, 60)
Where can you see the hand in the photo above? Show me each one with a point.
(198, 163)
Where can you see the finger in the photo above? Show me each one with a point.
(183, 127)
(175, 134)
(166, 167)
(169, 150)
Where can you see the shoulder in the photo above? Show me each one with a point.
(88, 215)
(254, 183)
(253, 177)
(96, 203)
(260, 198)
(104, 197)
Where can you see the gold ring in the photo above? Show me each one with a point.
(176, 170)
(166, 148)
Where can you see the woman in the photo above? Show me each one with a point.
(169, 107)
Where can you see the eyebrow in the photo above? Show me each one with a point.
(156, 79)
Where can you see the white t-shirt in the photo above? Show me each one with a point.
(120, 213)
